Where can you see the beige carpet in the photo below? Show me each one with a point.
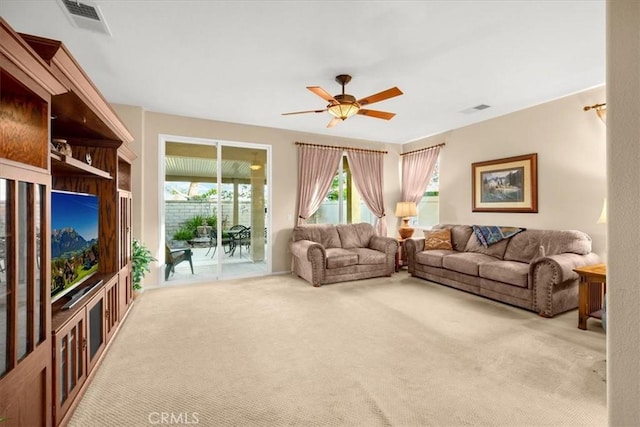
(275, 351)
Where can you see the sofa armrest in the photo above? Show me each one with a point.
(412, 246)
(551, 273)
(306, 249)
(389, 246)
(563, 264)
(309, 260)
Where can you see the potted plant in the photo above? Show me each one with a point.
(141, 258)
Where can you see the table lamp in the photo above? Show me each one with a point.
(405, 210)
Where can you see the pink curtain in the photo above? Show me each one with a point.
(416, 172)
(367, 171)
(316, 168)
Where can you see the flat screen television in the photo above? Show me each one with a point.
(74, 241)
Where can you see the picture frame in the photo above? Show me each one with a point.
(506, 185)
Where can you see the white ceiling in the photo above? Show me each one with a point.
(249, 61)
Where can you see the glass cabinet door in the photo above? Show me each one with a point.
(23, 298)
(4, 290)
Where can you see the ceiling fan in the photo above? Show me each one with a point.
(343, 106)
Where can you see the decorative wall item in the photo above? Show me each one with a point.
(506, 185)
(62, 146)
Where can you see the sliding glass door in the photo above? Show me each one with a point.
(215, 210)
(243, 210)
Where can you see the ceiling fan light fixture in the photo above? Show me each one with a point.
(343, 106)
(343, 110)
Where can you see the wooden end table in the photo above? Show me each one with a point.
(401, 257)
(592, 287)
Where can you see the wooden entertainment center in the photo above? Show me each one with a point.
(47, 354)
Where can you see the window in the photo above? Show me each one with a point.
(342, 204)
(429, 205)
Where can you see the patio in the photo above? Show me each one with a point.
(205, 266)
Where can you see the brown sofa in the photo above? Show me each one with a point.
(533, 269)
(324, 253)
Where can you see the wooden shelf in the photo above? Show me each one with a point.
(67, 165)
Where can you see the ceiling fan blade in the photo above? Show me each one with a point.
(377, 114)
(322, 93)
(333, 122)
(304, 112)
(380, 96)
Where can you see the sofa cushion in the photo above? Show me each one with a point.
(325, 234)
(432, 258)
(355, 235)
(337, 257)
(525, 246)
(466, 262)
(511, 272)
(459, 235)
(369, 256)
(497, 249)
(437, 239)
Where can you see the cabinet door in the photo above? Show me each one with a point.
(125, 251)
(69, 363)
(125, 290)
(124, 228)
(96, 336)
(112, 308)
(25, 324)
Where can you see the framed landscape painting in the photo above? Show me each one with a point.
(506, 185)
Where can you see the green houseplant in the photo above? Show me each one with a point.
(141, 258)
(187, 230)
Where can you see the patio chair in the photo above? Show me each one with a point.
(173, 257)
(234, 237)
(213, 242)
(244, 239)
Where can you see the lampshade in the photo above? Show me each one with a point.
(344, 110)
(601, 111)
(603, 214)
(406, 209)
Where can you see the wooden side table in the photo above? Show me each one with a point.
(593, 285)
(401, 257)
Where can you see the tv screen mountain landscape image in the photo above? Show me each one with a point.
(74, 240)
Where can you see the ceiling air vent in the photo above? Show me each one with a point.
(476, 109)
(85, 15)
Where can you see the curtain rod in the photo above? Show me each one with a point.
(341, 148)
(423, 149)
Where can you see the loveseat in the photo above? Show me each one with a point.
(325, 253)
(533, 269)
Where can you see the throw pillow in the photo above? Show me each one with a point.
(437, 239)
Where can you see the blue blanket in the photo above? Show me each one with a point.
(490, 234)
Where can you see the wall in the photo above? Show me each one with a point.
(284, 174)
(623, 275)
(571, 149)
